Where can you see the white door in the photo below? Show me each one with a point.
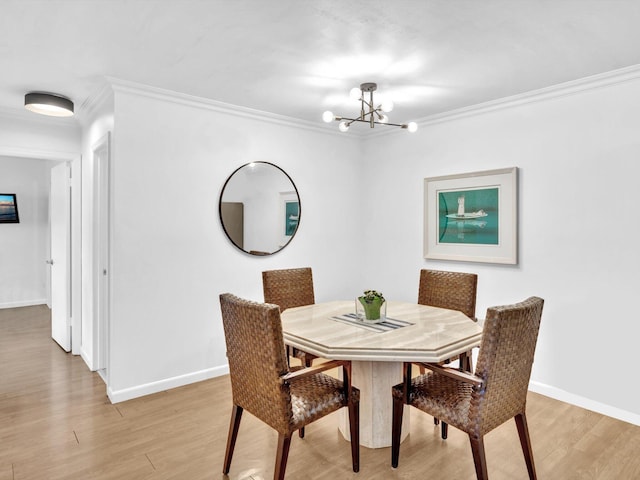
(60, 262)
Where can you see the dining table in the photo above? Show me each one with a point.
(408, 332)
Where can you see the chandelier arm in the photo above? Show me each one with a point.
(371, 110)
(368, 104)
(351, 120)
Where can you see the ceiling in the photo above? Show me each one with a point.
(298, 58)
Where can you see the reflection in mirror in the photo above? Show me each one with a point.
(259, 208)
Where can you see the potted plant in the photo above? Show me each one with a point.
(372, 302)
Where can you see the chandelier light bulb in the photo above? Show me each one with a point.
(328, 117)
(343, 127)
(386, 106)
(355, 93)
(412, 126)
(383, 119)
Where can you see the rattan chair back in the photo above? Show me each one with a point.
(263, 384)
(452, 290)
(497, 392)
(257, 359)
(288, 288)
(507, 348)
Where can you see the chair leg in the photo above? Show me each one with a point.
(525, 441)
(284, 442)
(301, 432)
(291, 353)
(236, 416)
(445, 430)
(396, 430)
(479, 457)
(436, 421)
(354, 433)
(466, 361)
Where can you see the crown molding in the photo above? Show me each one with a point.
(103, 94)
(560, 90)
(573, 87)
(126, 86)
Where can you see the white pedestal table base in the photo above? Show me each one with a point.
(375, 379)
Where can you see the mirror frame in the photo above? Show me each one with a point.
(254, 253)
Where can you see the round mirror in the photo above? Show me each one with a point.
(259, 208)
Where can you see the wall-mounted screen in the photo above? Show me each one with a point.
(9, 208)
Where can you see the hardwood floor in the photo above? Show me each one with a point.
(57, 423)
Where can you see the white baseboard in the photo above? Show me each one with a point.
(23, 303)
(563, 396)
(117, 396)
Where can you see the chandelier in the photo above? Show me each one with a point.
(369, 112)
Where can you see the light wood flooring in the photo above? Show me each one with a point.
(57, 423)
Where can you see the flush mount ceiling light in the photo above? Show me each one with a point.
(48, 104)
(369, 112)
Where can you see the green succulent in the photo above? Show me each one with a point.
(371, 295)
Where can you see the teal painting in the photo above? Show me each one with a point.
(292, 214)
(469, 216)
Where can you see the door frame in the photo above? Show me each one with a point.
(101, 153)
(75, 162)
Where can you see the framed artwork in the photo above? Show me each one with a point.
(472, 217)
(290, 213)
(9, 208)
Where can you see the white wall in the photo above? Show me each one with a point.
(171, 260)
(24, 246)
(578, 162)
(576, 157)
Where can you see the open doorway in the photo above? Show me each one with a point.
(31, 283)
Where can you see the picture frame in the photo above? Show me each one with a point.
(290, 214)
(472, 217)
(9, 208)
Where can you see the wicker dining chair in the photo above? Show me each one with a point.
(452, 290)
(455, 291)
(478, 403)
(290, 288)
(263, 384)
